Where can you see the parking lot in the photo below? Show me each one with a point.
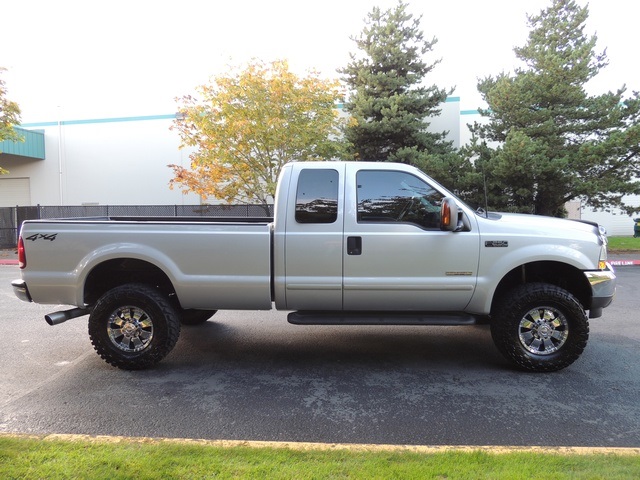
(253, 376)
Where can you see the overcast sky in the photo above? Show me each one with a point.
(85, 59)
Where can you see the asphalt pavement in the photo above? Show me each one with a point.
(253, 376)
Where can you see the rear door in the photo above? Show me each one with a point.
(314, 240)
(395, 256)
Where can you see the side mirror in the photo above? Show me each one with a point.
(449, 214)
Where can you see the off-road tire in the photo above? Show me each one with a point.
(540, 327)
(133, 326)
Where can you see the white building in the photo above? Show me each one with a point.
(118, 161)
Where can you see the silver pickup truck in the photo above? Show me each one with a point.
(350, 243)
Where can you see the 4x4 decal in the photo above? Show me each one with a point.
(42, 236)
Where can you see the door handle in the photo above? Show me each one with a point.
(354, 245)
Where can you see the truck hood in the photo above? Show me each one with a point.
(537, 225)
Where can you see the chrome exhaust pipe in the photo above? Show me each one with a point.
(56, 318)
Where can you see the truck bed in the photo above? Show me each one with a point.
(213, 263)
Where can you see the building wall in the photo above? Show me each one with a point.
(116, 161)
(448, 121)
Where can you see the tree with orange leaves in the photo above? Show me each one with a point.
(9, 117)
(244, 126)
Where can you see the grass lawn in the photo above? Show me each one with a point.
(624, 244)
(28, 457)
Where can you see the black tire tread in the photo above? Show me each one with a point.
(509, 311)
(165, 338)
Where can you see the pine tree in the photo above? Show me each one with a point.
(555, 142)
(389, 106)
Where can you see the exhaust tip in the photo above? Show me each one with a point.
(56, 318)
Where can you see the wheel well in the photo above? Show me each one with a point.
(113, 273)
(555, 273)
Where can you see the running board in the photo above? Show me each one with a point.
(382, 318)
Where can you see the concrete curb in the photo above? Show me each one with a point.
(352, 447)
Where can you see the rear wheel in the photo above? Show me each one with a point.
(133, 326)
(540, 327)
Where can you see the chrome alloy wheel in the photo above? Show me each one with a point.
(130, 329)
(543, 330)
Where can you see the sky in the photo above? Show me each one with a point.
(70, 59)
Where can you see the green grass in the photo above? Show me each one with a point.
(35, 458)
(624, 244)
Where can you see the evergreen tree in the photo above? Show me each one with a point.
(389, 106)
(555, 142)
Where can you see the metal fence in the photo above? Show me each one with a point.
(12, 217)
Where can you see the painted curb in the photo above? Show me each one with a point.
(625, 263)
(352, 447)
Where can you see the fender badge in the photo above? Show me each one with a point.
(496, 243)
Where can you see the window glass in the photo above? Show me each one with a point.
(397, 197)
(317, 196)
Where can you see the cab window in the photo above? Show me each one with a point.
(317, 196)
(397, 197)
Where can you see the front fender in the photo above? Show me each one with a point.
(496, 263)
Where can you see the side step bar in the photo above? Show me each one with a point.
(383, 318)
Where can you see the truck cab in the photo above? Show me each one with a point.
(369, 236)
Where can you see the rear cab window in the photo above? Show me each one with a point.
(317, 196)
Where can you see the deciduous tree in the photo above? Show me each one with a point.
(546, 140)
(245, 125)
(9, 116)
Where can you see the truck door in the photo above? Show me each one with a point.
(313, 241)
(395, 256)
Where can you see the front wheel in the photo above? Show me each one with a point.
(133, 326)
(540, 327)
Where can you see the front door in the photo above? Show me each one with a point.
(395, 256)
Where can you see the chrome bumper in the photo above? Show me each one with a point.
(603, 289)
(21, 291)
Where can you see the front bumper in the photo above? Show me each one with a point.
(21, 291)
(603, 289)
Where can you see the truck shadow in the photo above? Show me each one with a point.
(282, 345)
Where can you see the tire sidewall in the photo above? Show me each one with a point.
(505, 326)
(166, 326)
